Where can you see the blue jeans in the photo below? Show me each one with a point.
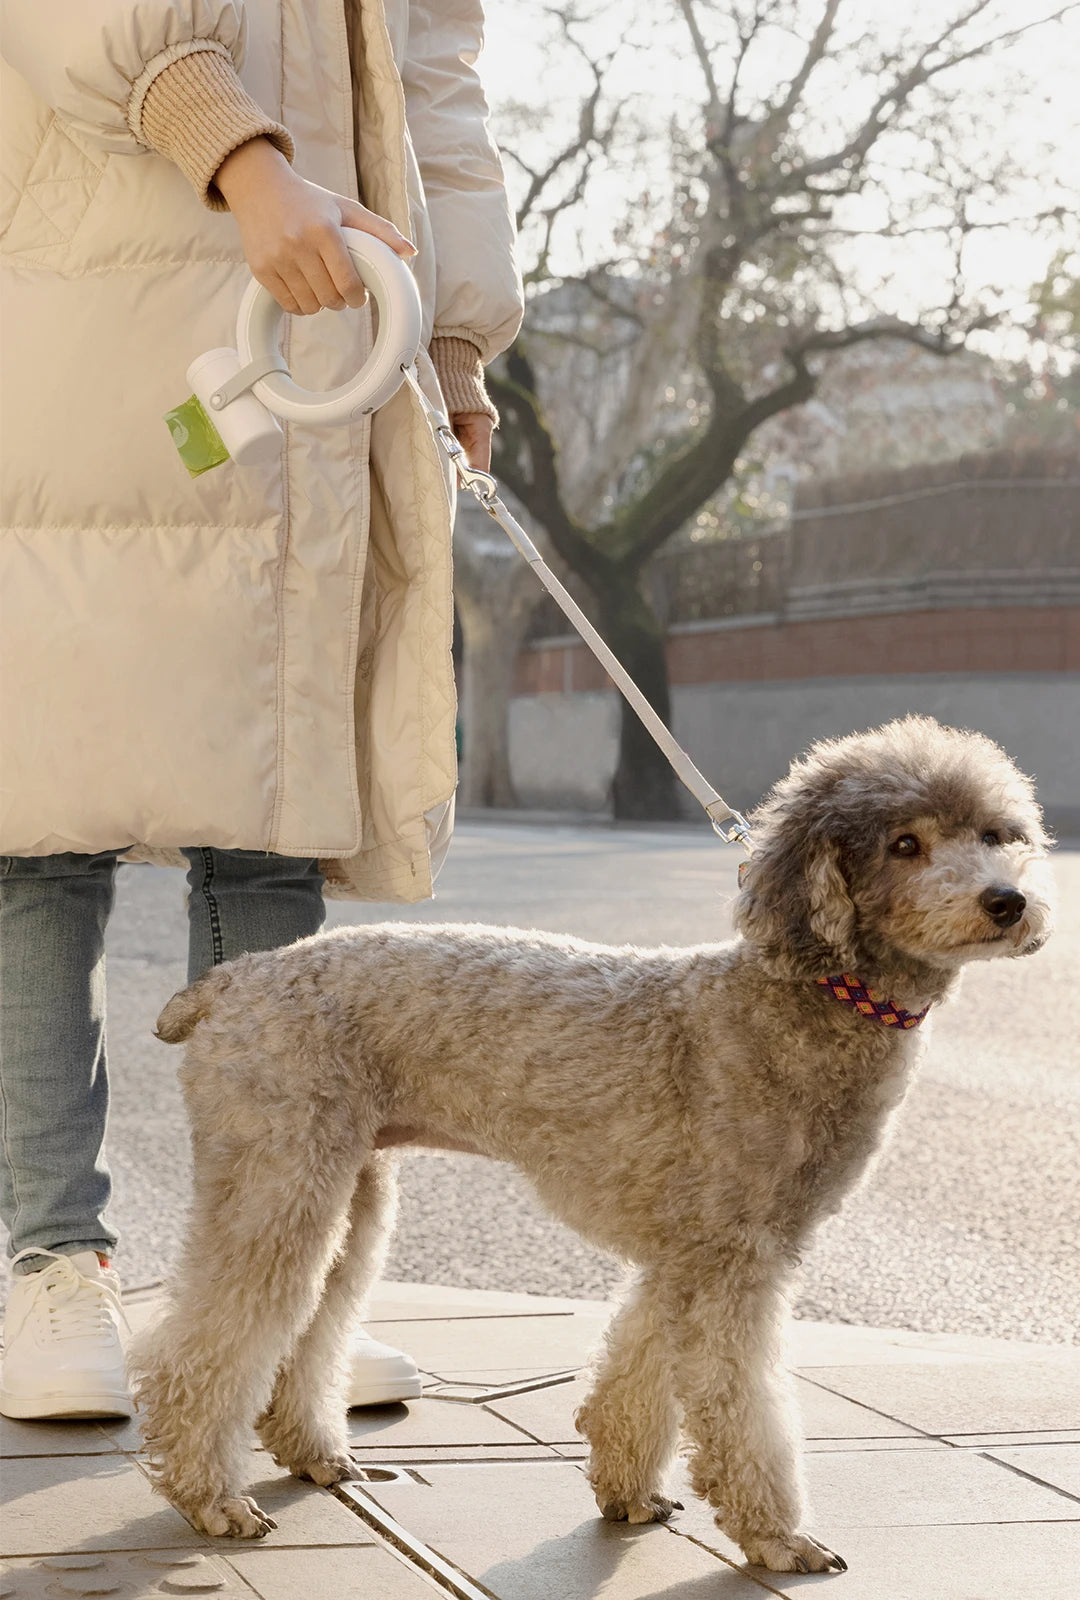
(54, 1181)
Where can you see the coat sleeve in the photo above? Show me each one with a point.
(478, 293)
(94, 60)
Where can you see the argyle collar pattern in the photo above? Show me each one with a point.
(870, 1002)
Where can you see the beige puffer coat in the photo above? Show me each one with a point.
(254, 658)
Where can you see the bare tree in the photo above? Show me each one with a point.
(748, 282)
(495, 594)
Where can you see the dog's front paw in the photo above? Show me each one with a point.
(791, 1552)
(646, 1508)
(326, 1470)
(233, 1517)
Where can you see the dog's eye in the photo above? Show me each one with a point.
(991, 836)
(906, 845)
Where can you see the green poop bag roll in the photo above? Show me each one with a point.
(195, 437)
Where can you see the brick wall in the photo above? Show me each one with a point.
(962, 566)
(1001, 639)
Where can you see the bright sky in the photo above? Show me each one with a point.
(654, 70)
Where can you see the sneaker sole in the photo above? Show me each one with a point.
(387, 1394)
(53, 1407)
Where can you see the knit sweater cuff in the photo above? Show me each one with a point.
(197, 112)
(460, 372)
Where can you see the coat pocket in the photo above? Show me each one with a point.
(56, 196)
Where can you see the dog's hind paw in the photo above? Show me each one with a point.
(233, 1517)
(650, 1508)
(792, 1553)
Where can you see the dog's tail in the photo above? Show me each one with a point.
(186, 1009)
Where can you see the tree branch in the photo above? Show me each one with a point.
(779, 118)
(938, 343)
(517, 392)
(693, 476)
(701, 50)
(922, 70)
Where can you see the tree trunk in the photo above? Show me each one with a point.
(495, 592)
(645, 788)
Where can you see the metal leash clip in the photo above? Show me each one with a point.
(732, 828)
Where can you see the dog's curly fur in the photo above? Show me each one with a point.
(697, 1111)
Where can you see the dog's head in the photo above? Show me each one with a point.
(912, 846)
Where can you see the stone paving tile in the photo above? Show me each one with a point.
(475, 1380)
(125, 1435)
(899, 1487)
(896, 1488)
(54, 1439)
(1058, 1464)
(983, 1441)
(370, 1573)
(914, 1441)
(548, 1414)
(391, 1301)
(431, 1421)
(986, 1397)
(826, 1415)
(533, 1533)
(842, 1344)
(305, 1514)
(148, 1575)
(482, 1344)
(1036, 1562)
(404, 1455)
(86, 1503)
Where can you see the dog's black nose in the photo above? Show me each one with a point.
(1005, 906)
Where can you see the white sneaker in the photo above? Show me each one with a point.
(378, 1375)
(62, 1351)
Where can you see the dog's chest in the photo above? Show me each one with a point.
(831, 1141)
(783, 1152)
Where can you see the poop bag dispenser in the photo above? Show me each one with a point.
(239, 394)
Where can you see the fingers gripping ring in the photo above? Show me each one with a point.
(240, 387)
(394, 291)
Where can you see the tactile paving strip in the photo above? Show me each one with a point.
(141, 1575)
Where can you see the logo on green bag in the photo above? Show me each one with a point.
(195, 437)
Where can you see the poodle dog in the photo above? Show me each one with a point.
(696, 1111)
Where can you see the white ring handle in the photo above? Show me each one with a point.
(393, 288)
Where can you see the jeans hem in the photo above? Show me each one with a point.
(71, 1247)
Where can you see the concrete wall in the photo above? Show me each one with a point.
(743, 736)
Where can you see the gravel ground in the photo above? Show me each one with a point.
(968, 1223)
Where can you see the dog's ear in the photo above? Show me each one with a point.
(832, 912)
(794, 907)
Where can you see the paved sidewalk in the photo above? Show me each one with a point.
(940, 1467)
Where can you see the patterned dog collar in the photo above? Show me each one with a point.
(870, 1002)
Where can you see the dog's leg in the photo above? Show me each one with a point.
(266, 1222)
(630, 1416)
(303, 1426)
(724, 1327)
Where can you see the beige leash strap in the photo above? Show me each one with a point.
(730, 824)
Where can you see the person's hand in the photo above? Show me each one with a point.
(290, 230)
(473, 430)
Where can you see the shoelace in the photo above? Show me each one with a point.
(76, 1307)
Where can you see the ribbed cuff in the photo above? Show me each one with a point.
(460, 372)
(197, 112)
